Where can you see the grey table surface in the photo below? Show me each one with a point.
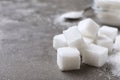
(26, 46)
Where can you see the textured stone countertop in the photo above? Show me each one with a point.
(26, 47)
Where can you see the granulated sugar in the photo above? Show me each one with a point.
(114, 61)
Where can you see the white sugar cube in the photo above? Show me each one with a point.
(68, 58)
(74, 38)
(110, 32)
(88, 28)
(59, 41)
(117, 43)
(105, 42)
(95, 55)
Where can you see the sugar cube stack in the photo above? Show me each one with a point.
(68, 58)
(88, 41)
(106, 37)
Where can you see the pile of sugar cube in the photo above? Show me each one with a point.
(86, 43)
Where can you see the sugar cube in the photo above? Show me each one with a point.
(88, 28)
(110, 32)
(68, 58)
(95, 55)
(59, 41)
(105, 42)
(74, 38)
